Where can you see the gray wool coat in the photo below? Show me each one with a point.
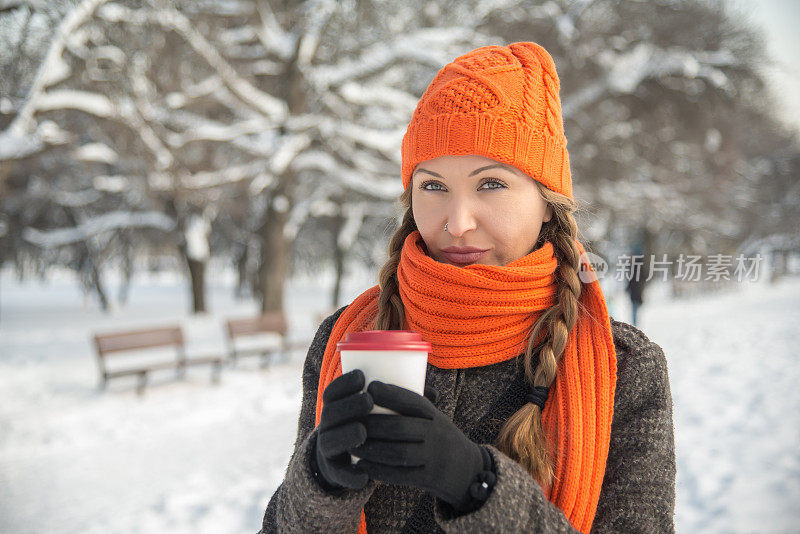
(638, 491)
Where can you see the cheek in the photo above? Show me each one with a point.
(424, 219)
(514, 230)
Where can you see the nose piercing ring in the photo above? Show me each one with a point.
(445, 227)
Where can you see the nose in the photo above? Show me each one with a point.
(461, 218)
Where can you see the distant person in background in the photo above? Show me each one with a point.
(541, 413)
(636, 289)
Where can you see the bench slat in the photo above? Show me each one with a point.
(204, 360)
(262, 324)
(139, 370)
(138, 339)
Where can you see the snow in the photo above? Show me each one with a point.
(288, 149)
(51, 67)
(280, 204)
(111, 183)
(214, 131)
(734, 372)
(375, 94)
(197, 231)
(227, 175)
(76, 199)
(261, 181)
(98, 152)
(352, 178)
(272, 35)
(626, 71)
(426, 46)
(382, 140)
(14, 146)
(317, 15)
(190, 456)
(96, 225)
(349, 232)
(59, 72)
(86, 101)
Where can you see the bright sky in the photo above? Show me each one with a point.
(781, 22)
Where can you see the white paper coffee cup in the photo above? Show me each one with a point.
(397, 357)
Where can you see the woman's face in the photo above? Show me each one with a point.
(488, 206)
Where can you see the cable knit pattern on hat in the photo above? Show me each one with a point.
(501, 102)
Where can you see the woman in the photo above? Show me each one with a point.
(541, 413)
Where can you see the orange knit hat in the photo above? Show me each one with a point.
(500, 102)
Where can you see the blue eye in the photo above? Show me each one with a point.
(438, 186)
(498, 183)
(425, 187)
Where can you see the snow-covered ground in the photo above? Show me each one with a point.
(194, 457)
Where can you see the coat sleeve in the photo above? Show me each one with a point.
(638, 492)
(300, 504)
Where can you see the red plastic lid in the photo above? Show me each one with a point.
(384, 340)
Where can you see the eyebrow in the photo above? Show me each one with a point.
(476, 171)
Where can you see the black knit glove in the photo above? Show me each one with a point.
(344, 405)
(421, 447)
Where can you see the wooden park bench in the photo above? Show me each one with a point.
(258, 327)
(152, 338)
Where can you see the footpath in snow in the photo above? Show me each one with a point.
(194, 457)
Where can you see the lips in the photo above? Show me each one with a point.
(463, 255)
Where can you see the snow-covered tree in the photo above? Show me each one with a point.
(253, 128)
(209, 104)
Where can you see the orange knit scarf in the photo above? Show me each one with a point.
(481, 314)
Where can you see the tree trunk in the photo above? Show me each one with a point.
(274, 265)
(97, 284)
(88, 266)
(779, 262)
(338, 259)
(127, 272)
(241, 260)
(193, 248)
(197, 274)
(337, 288)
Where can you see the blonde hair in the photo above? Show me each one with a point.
(522, 435)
